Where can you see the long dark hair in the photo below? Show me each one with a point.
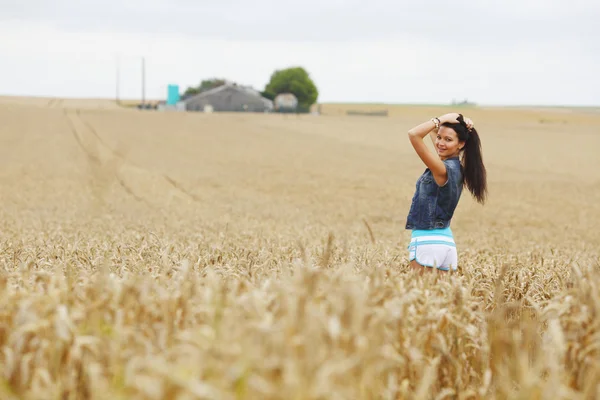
(474, 173)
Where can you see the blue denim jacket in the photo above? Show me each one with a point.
(432, 205)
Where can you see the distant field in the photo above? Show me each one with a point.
(399, 109)
(149, 255)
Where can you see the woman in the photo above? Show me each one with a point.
(458, 163)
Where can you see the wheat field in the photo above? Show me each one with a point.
(148, 255)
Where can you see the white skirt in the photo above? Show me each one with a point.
(434, 249)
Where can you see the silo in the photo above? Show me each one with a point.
(172, 95)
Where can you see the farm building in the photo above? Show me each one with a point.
(229, 98)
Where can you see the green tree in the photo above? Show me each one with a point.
(205, 85)
(293, 80)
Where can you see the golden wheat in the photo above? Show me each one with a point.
(148, 255)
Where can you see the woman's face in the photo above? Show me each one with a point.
(447, 144)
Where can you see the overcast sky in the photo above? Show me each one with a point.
(544, 52)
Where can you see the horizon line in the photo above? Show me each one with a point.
(338, 102)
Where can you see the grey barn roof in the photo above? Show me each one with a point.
(229, 97)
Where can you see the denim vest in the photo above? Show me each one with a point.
(432, 205)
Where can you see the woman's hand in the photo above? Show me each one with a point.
(469, 123)
(451, 118)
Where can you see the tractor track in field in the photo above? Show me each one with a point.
(95, 160)
(75, 119)
(172, 182)
(55, 103)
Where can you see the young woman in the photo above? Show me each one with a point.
(458, 163)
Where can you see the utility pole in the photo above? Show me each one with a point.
(143, 81)
(118, 78)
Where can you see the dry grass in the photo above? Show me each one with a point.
(148, 256)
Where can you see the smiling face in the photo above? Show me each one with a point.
(447, 144)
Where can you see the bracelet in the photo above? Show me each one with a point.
(436, 121)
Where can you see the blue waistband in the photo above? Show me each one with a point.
(432, 232)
